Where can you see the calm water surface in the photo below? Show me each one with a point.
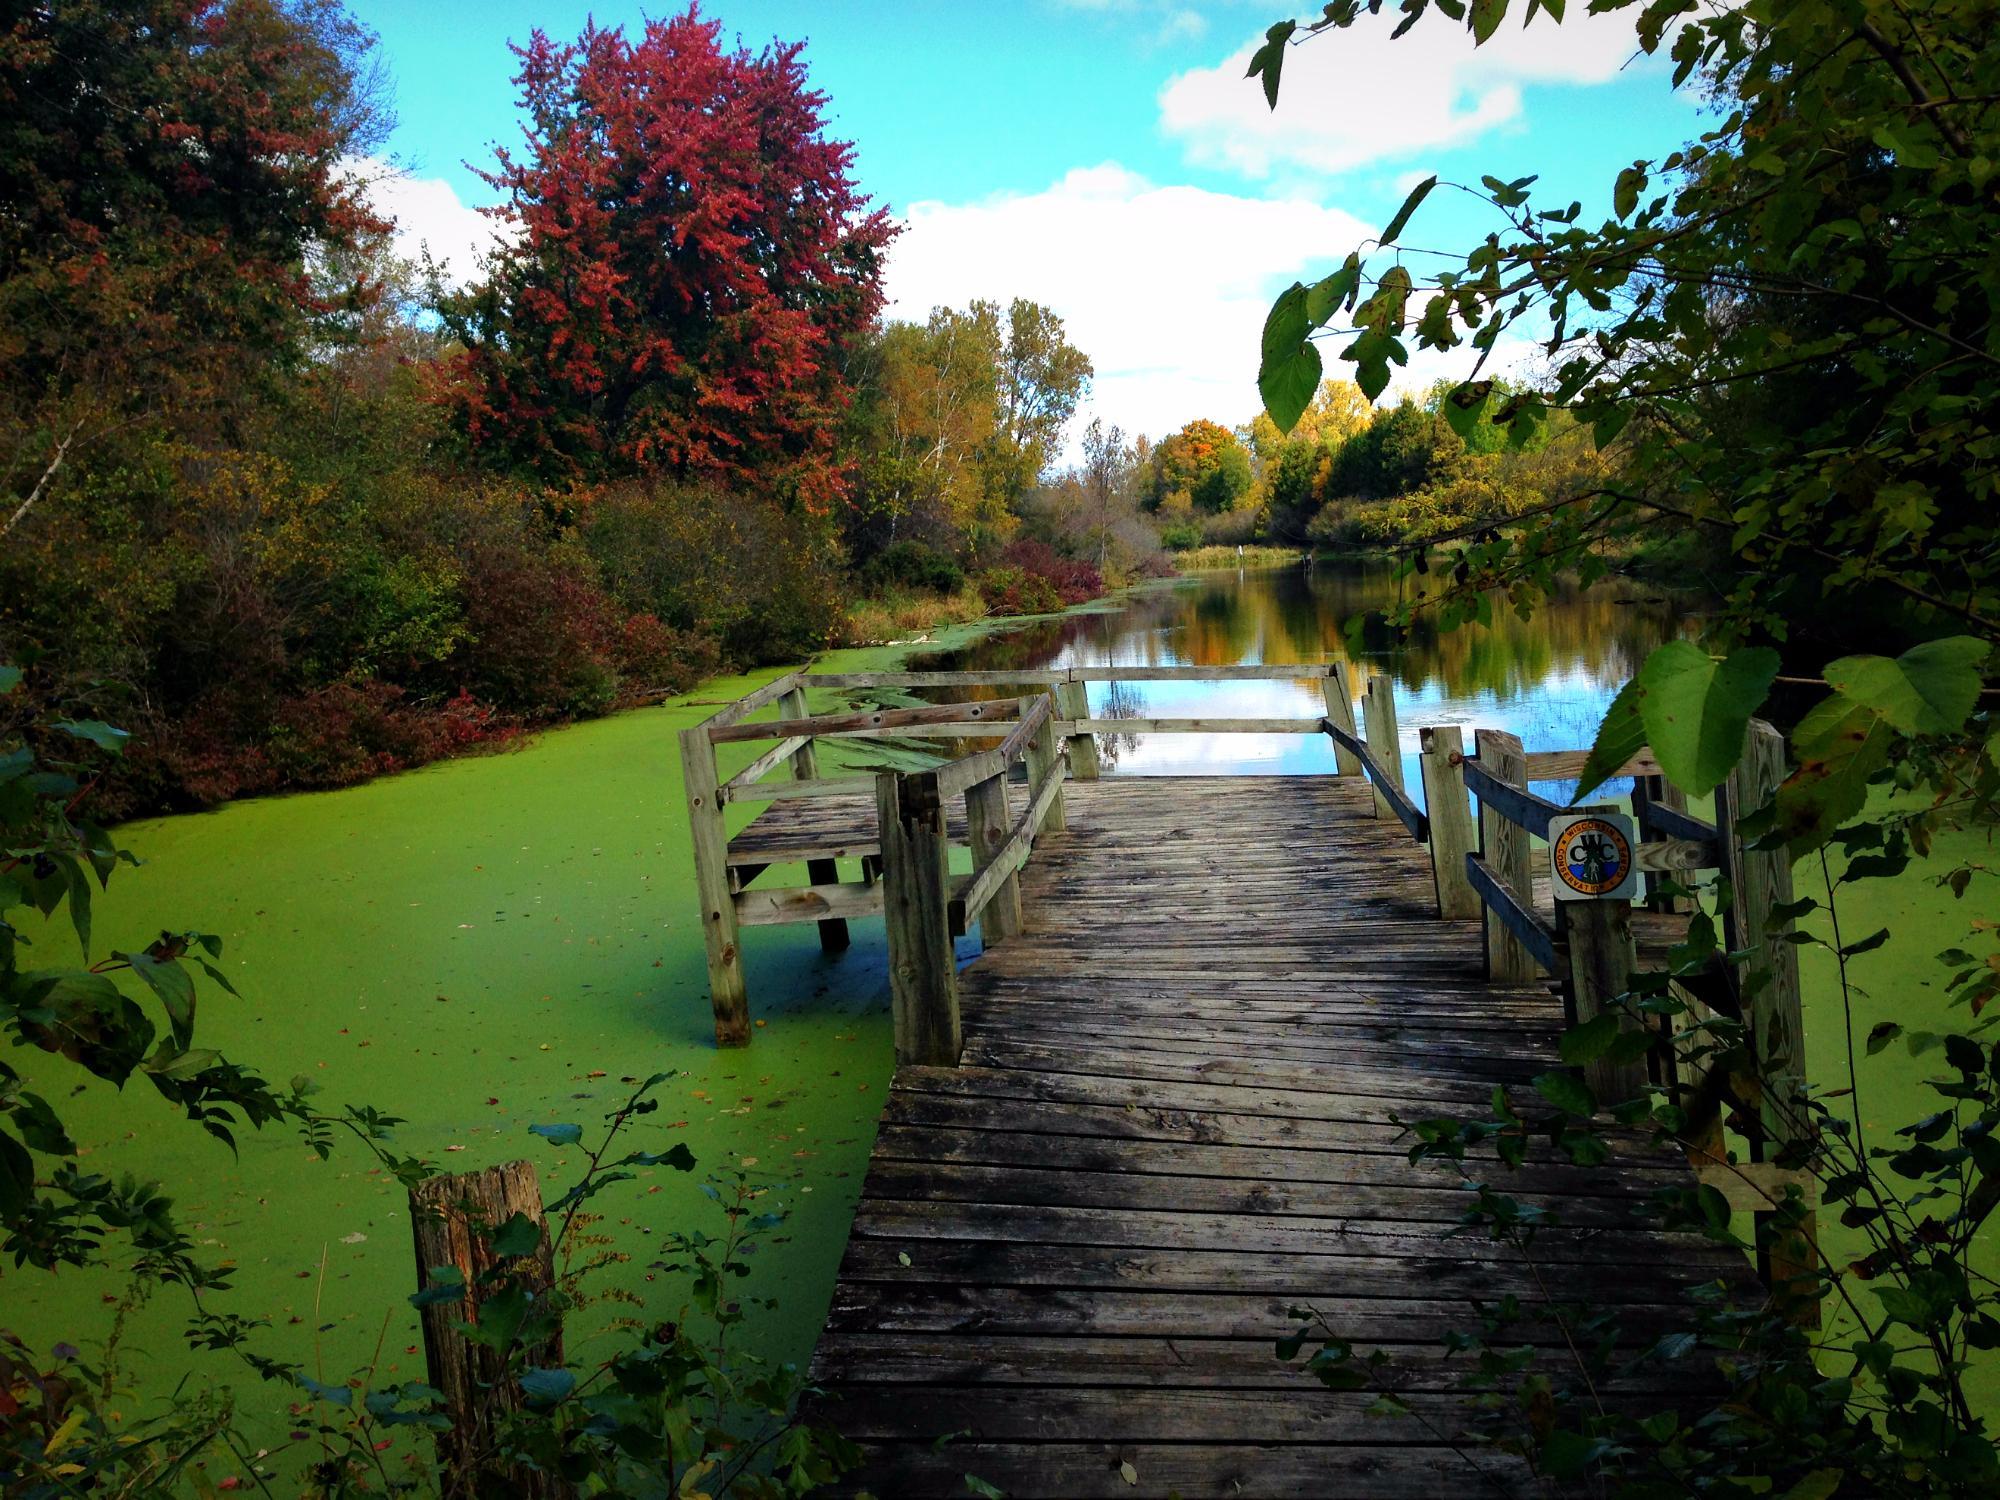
(1547, 679)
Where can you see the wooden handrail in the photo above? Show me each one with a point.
(1567, 765)
(1516, 804)
(1657, 817)
(770, 760)
(1069, 727)
(1050, 676)
(864, 721)
(1514, 914)
(1399, 804)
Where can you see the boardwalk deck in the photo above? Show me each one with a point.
(1171, 1125)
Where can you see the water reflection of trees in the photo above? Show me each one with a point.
(1120, 701)
(1597, 636)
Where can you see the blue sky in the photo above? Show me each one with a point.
(1104, 156)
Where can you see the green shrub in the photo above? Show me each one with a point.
(1016, 591)
(1180, 536)
(912, 566)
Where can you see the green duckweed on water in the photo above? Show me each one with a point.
(477, 946)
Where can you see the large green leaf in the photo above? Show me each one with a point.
(1621, 736)
(1410, 205)
(1837, 747)
(1289, 374)
(1929, 689)
(1697, 710)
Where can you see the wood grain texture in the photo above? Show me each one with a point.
(1171, 1124)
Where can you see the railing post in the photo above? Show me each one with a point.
(1340, 714)
(1601, 960)
(987, 822)
(833, 937)
(1450, 819)
(1761, 881)
(1508, 852)
(1657, 790)
(916, 909)
(1378, 710)
(453, 1219)
(726, 989)
(1041, 759)
(1072, 701)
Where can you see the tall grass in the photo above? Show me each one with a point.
(1196, 559)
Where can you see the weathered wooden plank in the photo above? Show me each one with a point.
(1389, 789)
(1567, 765)
(1504, 906)
(807, 903)
(1075, 728)
(1450, 817)
(867, 721)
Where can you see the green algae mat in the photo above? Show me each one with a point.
(478, 946)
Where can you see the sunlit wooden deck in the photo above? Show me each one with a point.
(1171, 1125)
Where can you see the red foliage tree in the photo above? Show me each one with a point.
(179, 219)
(689, 257)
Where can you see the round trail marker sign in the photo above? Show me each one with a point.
(1591, 857)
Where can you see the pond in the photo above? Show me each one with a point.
(1547, 679)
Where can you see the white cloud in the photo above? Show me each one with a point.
(1352, 97)
(1165, 288)
(428, 213)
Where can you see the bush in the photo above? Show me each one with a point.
(1074, 582)
(912, 566)
(1015, 591)
(1232, 528)
(1180, 536)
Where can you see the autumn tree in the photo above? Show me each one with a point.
(179, 217)
(1203, 466)
(1042, 377)
(688, 259)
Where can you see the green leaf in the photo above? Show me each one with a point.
(558, 1135)
(974, 1485)
(10, 678)
(1697, 710)
(1929, 689)
(1486, 18)
(546, 1387)
(1290, 372)
(167, 979)
(1269, 59)
(1837, 747)
(1821, 1484)
(1625, 195)
(1566, 1092)
(1591, 1040)
(520, 1235)
(99, 733)
(40, 1127)
(1410, 205)
(1621, 736)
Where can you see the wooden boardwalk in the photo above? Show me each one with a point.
(1171, 1126)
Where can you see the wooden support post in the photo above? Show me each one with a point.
(988, 821)
(1042, 760)
(1450, 819)
(453, 1219)
(1378, 709)
(1072, 701)
(726, 990)
(1659, 792)
(1340, 714)
(833, 937)
(916, 908)
(1761, 881)
(1509, 854)
(1601, 960)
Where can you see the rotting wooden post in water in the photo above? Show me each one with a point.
(453, 1219)
(1378, 712)
(1042, 764)
(1072, 701)
(726, 989)
(1602, 957)
(1761, 882)
(1450, 819)
(1340, 714)
(833, 936)
(1509, 853)
(988, 822)
(916, 909)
